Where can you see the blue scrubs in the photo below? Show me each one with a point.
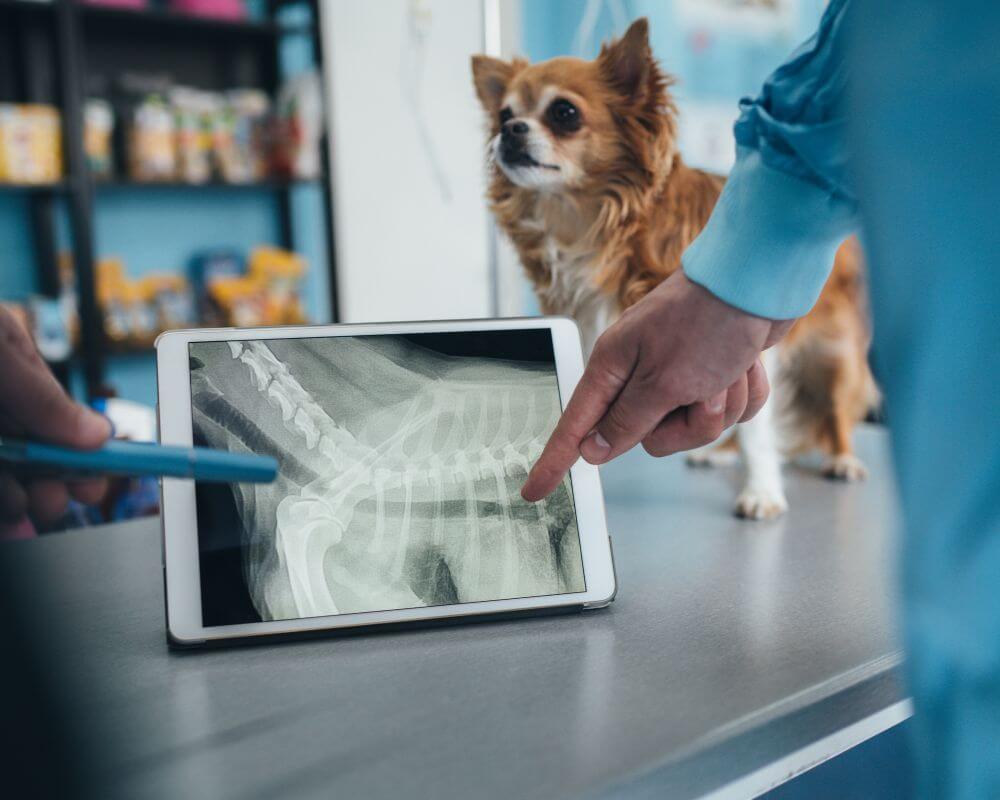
(888, 122)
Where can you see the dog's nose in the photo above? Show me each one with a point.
(514, 127)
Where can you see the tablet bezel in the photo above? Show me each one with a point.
(179, 519)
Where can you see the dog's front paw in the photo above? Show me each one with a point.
(845, 467)
(761, 503)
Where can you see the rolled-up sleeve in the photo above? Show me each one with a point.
(787, 205)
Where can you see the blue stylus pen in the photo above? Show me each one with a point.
(118, 457)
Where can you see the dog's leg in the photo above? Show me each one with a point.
(763, 496)
(593, 319)
(842, 465)
(717, 454)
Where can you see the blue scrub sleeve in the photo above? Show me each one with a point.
(770, 242)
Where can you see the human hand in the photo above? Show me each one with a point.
(34, 405)
(674, 372)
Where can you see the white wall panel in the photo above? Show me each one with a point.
(412, 241)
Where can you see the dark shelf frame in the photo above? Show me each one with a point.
(152, 186)
(67, 23)
(149, 18)
(42, 188)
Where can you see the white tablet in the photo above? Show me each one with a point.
(402, 451)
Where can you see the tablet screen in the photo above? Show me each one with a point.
(401, 461)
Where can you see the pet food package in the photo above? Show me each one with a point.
(279, 274)
(137, 310)
(243, 155)
(147, 135)
(30, 144)
(299, 128)
(194, 113)
(98, 126)
(51, 329)
(207, 269)
(111, 297)
(152, 154)
(268, 291)
(240, 300)
(173, 300)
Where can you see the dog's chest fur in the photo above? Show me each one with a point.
(554, 239)
(571, 292)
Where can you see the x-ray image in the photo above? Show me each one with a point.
(402, 459)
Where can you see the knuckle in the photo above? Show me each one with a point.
(711, 429)
(655, 448)
(604, 345)
(654, 381)
(615, 423)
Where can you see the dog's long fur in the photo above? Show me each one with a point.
(601, 214)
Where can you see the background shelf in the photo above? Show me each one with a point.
(271, 184)
(60, 186)
(61, 52)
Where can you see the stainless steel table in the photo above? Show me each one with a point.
(736, 655)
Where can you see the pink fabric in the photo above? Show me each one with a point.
(221, 9)
(24, 529)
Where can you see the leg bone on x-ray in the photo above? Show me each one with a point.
(400, 477)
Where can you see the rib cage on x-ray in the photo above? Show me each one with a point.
(400, 473)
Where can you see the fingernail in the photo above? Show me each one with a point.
(95, 425)
(716, 405)
(595, 447)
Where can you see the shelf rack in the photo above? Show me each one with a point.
(54, 47)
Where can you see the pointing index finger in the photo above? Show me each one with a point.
(595, 392)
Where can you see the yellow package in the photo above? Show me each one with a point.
(280, 273)
(30, 144)
(152, 154)
(241, 301)
(113, 297)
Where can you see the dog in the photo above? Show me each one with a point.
(587, 183)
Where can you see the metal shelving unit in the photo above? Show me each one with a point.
(54, 48)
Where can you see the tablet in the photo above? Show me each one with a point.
(402, 450)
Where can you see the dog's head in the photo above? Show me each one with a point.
(566, 124)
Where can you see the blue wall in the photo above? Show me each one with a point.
(719, 64)
(17, 255)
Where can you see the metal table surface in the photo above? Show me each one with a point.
(736, 655)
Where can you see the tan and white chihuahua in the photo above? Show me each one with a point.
(587, 182)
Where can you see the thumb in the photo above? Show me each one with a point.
(85, 428)
(36, 405)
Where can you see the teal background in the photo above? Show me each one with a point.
(710, 64)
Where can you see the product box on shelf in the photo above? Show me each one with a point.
(30, 144)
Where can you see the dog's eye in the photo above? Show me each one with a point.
(564, 115)
(506, 114)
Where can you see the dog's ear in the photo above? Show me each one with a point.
(626, 64)
(492, 76)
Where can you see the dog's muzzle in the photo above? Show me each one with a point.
(514, 149)
(514, 144)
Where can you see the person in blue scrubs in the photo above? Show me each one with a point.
(886, 123)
